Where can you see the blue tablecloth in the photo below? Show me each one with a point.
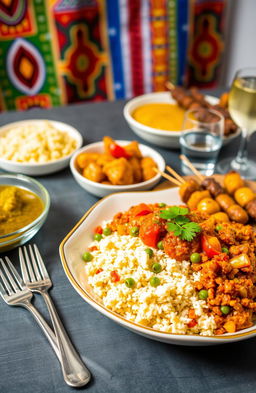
(120, 361)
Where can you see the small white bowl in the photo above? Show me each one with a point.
(36, 169)
(77, 241)
(156, 136)
(102, 190)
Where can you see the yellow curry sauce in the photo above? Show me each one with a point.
(162, 116)
(18, 208)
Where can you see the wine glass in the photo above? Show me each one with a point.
(201, 139)
(242, 108)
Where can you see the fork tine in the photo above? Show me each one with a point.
(23, 266)
(29, 266)
(3, 291)
(7, 289)
(34, 263)
(41, 263)
(10, 277)
(15, 273)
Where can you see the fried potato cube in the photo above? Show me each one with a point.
(196, 197)
(104, 159)
(85, 159)
(94, 172)
(148, 165)
(107, 141)
(119, 172)
(133, 149)
(136, 168)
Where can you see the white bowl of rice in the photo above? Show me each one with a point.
(159, 313)
(37, 147)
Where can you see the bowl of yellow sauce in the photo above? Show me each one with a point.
(157, 118)
(24, 206)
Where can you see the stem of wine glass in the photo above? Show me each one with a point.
(241, 160)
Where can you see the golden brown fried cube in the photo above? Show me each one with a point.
(136, 168)
(119, 172)
(148, 165)
(107, 140)
(86, 158)
(94, 172)
(133, 149)
(104, 159)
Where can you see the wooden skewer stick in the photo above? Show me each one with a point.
(170, 85)
(175, 174)
(168, 177)
(191, 166)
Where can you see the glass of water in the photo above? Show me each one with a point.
(201, 139)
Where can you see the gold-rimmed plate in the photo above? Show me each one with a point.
(75, 243)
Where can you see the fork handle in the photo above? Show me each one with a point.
(44, 326)
(74, 371)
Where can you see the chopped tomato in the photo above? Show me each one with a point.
(149, 233)
(118, 151)
(114, 276)
(211, 245)
(98, 229)
(99, 270)
(141, 210)
(239, 261)
(93, 248)
(192, 323)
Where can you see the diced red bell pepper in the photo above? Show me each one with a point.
(98, 229)
(118, 151)
(192, 323)
(240, 261)
(114, 276)
(210, 245)
(99, 270)
(150, 234)
(141, 210)
(93, 248)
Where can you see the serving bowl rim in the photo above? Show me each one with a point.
(46, 207)
(119, 318)
(78, 138)
(75, 171)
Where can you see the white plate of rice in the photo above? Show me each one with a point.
(37, 147)
(159, 313)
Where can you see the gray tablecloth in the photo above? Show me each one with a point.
(120, 361)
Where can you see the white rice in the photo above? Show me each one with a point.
(164, 307)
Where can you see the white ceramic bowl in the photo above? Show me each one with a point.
(153, 135)
(76, 242)
(102, 190)
(45, 168)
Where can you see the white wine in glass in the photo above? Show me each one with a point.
(242, 108)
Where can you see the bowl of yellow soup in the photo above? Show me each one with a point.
(157, 118)
(24, 206)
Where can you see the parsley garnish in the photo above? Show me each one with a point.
(179, 224)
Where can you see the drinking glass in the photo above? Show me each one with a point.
(201, 139)
(242, 108)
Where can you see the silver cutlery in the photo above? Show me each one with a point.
(15, 293)
(37, 279)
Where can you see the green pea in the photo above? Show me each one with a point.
(161, 204)
(203, 294)
(225, 310)
(107, 231)
(87, 256)
(218, 227)
(160, 245)
(129, 282)
(195, 257)
(154, 281)
(157, 268)
(149, 251)
(134, 231)
(97, 237)
(225, 249)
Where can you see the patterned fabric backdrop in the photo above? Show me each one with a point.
(54, 52)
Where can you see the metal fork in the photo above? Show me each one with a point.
(15, 293)
(37, 280)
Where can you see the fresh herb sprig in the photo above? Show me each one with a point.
(179, 224)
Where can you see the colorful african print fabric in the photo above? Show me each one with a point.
(54, 52)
